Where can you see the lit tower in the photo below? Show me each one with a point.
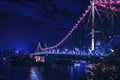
(39, 48)
(93, 25)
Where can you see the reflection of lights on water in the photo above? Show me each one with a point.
(90, 66)
(34, 74)
(83, 61)
(79, 62)
(71, 73)
(76, 64)
(101, 57)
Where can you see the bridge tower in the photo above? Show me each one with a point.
(100, 23)
(93, 26)
(39, 48)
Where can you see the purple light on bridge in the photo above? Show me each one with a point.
(108, 2)
(72, 30)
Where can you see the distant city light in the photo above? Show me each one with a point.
(112, 50)
(76, 64)
(17, 51)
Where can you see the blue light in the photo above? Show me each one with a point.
(17, 51)
(76, 64)
(112, 50)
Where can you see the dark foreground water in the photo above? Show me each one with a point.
(51, 72)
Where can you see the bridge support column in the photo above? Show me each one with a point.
(93, 26)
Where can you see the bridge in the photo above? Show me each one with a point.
(93, 33)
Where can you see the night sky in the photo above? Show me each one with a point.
(24, 23)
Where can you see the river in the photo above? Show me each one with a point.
(51, 72)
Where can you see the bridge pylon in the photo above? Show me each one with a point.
(39, 48)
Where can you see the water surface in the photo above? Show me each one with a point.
(51, 72)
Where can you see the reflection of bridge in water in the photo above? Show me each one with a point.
(92, 35)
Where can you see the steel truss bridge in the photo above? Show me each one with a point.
(92, 34)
